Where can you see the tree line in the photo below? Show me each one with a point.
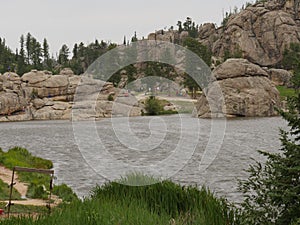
(33, 54)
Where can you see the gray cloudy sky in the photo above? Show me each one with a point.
(70, 21)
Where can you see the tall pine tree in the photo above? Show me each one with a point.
(272, 191)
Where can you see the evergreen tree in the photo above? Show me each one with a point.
(46, 56)
(204, 53)
(75, 51)
(179, 24)
(134, 38)
(291, 61)
(36, 54)
(63, 57)
(272, 191)
(7, 57)
(124, 42)
(22, 58)
(28, 47)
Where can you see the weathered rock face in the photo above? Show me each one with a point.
(260, 32)
(246, 91)
(169, 36)
(67, 72)
(208, 34)
(42, 96)
(280, 77)
(12, 97)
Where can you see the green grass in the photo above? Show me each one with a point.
(23, 158)
(25, 209)
(286, 92)
(162, 203)
(5, 191)
(65, 193)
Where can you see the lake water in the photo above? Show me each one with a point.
(148, 143)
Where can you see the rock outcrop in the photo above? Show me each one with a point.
(172, 36)
(245, 89)
(39, 95)
(280, 77)
(259, 33)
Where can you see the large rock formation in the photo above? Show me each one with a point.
(39, 95)
(280, 77)
(260, 33)
(172, 36)
(246, 91)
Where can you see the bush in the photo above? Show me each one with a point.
(37, 192)
(110, 98)
(153, 106)
(65, 193)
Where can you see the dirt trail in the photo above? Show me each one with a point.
(5, 175)
(22, 188)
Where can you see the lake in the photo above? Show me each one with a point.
(177, 147)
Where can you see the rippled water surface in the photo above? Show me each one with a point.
(144, 142)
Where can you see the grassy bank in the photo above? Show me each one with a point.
(37, 182)
(162, 203)
(5, 191)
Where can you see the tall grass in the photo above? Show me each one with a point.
(166, 197)
(162, 203)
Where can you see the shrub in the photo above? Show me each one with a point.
(110, 98)
(153, 106)
(64, 192)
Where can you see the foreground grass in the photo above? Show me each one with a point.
(162, 203)
(25, 209)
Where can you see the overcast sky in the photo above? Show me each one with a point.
(70, 21)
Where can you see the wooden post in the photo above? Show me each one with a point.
(22, 169)
(10, 193)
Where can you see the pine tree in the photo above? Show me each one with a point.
(21, 64)
(28, 47)
(134, 38)
(46, 55)
(63, 57)
(75, 51)
(272, 191)
(124, 42)
(36, 54)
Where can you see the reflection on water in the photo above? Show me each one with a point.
(55, 140)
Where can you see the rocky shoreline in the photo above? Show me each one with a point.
(39, 95)
(247, 90)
